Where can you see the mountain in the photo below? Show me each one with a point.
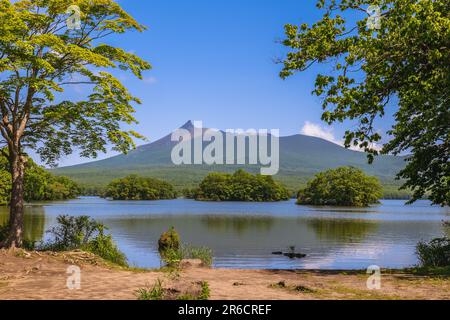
(300, 158)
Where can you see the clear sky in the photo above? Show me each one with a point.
(213, 60)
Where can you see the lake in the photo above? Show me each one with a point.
(244, 235)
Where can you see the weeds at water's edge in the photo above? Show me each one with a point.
(154, 293)
(158, 292)
(297, 288)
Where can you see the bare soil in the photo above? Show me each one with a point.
(37, 275)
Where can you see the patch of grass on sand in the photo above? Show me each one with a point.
(200, 291)
(426, 271)
(293, 288)
(358, 294)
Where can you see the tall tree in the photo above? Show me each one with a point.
(394, 54)
(44, 49)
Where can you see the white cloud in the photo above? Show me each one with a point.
(150, 80)
(316, 130)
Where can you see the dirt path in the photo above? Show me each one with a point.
(43, 276)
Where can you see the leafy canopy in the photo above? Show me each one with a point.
(405, 63)
(134, 187)
(240, 186)
(40, 185)
(40, 57)
(344, 186)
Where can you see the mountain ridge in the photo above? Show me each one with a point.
(301, 157)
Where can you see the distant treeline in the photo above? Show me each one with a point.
(240, 186)
(134, 187)
(292, 183)
(344, 186)
(40, 185)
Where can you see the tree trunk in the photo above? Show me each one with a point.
(15, 234)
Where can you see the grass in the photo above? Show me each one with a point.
(204, 254)
(357, 294)
(435, 253)
(154, 293)
(205, 293)
(294, 288)
(173, 257)
(158, 292)
(423, 271)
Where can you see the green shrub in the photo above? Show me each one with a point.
(204, 254)
(104, 246)
(344, 186)
(169, 240)
(435, 253)
(155, 293)
(172, 251)
(71, 233)
(204, 294)
(85, 234)
(172, 257)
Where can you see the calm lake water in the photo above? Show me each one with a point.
(244, 235)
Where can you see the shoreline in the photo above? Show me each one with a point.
(43, 275)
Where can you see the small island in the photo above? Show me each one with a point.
(344, 186)
(134, 187)
(240, 186)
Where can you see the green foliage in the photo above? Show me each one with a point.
(241, 186)
(72, 233)
(171, 257)
(169, 240)
(134, 187)
(189, 193)
(172, 251)
(86, 234)
(205, 292)
(158, 292)
(435, 253)
(204, 254)
(406, 62)
(104, 246)
(169, 248)
(40, 185)
(345, 186)
(154, 293)
(41, 56)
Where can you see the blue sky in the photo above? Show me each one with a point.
(213, 60)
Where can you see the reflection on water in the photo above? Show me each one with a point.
(243, 235)
(34, 222)
(237, 224)
(344, 230)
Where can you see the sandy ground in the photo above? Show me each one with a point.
(43, 276)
